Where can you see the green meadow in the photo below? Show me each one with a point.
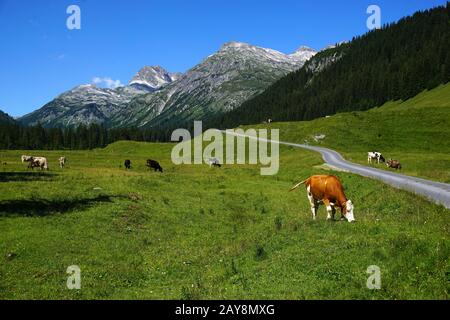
(196, 232)
(416, 132)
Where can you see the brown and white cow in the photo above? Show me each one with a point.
(395, 164)
(329, 191)
(39, 162)
(34, 162)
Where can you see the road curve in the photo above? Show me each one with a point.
(434, 191)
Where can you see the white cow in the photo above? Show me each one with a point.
(62, 162)
(214, 162)
(377, 156)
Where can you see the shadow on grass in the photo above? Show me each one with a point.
(43, 207)
(26, 176)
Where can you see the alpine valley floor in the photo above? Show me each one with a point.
(196, 232)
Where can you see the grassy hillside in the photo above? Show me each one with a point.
(416, 132)
(200, 233)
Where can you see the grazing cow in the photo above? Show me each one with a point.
(329, 191)
(152, 164)
(62, 162)
(28, 159)
(395, 164)
(39, 162)
(377, 156)
(214, 162)
(127, 164)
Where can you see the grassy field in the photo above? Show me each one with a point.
(415, 132)
(196, 232)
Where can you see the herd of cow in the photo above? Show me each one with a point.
(41, 162)
(326, 189)
(151, 164)
(378, 157)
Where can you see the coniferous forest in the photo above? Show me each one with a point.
(15, 136)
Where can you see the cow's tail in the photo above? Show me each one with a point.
(299, 184)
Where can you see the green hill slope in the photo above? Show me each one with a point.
(416, 132)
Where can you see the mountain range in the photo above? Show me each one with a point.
(87, 104)
(155, 97)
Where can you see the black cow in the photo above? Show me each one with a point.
(152, 164)
(127, 164)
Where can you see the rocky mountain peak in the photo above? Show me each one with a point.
(298, 58)
(304, 49)
(152, 78)
(303, 53)
(235, 45)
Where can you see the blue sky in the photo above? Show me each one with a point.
(40, 58)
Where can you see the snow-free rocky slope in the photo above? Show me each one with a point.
(222, 82)
(86, 104)
(154, 96)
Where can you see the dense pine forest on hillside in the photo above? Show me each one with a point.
(396, 62)
(15, 137)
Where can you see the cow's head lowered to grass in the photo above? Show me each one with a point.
(348, 211)
(329, 191)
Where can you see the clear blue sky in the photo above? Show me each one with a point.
(40, 58)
